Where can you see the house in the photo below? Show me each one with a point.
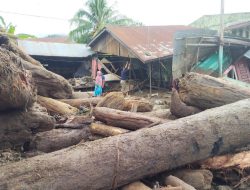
(240, 29)
(197, 51)
(148, 48)
(66, 59)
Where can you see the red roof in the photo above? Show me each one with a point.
(146, 42)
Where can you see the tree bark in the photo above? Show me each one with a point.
(75, 122)
(17, 127)
(11, 46)
(57, 139)
(114, 100)
(121, 159)
(106, 130)
(48, 83)
(239, 160)
(16, 88)
(176, 182)
(160, 113)
(136, 186)
(123, 119)
(207, 92)
(180, 109)
(137, 105)
(56, 107)
(82, 102)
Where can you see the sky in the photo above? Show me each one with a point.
(45, 17)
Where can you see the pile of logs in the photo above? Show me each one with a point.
(194, 145)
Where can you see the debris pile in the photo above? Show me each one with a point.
(196, 144)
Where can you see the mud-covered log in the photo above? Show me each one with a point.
(10, 45)
(106, 130)
(16, 88)
(126, 120)
(48, 83)
(56, 107)
(17, 127)
(205, 92)
(161, 113)
(82, 101)
(75, 122)
(200, 179)
(176, 182)
(136, 186)
(57, 139)
(180, 109)
(121, 159)
(137, 105)
(114, 100)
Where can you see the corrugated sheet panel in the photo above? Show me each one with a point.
(54, 49)
(145, 42)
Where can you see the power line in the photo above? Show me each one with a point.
(30, 15)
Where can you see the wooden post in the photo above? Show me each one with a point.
(150, 78)
(221, 38)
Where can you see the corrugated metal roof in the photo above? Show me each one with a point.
(146, 42)
(54, 49)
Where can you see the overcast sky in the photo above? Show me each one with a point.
(149, 12)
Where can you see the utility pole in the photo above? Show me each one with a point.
(221, 41)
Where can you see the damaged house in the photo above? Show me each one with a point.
(148, 48)
(67, 59)
(197, 50)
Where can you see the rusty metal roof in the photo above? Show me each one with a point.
(145, 42)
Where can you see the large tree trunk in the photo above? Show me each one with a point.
(48, 83)
(56, 107)
(82, 101)
(11, 46)
(137, 105)
(180, 109)
(16, 89)
(17, 127)
(57, 139)
(121, 159)
(205, 92)
(123, 119)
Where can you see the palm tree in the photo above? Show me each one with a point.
(90, 22)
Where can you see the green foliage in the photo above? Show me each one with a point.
(6, 28)
(25, 36)
(88, 23)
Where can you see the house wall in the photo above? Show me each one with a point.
(108, 44)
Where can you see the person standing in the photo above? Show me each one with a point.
(99, 82)
(125, 76)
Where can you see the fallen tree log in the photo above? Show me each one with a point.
(48, 83)
(161, 113)
(136, 186)
(75, 122)
(200, 179)
(239, 160)
(114, 100)
(137, 105)
(176, 182)
(56, 107)
(17, 127)
(180, 109)
(118, 160)
(8, 44)
(82, 102)
(16, 88)
(205, 92)
(106, 130)
(57, 139)
(123, 119)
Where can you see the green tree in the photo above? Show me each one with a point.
(88, 23)
(6, 28)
